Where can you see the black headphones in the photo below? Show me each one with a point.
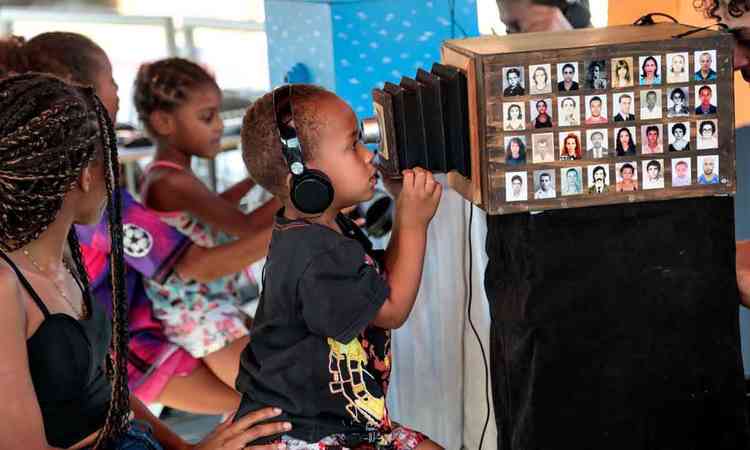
(311, 191)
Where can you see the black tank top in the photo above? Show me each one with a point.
(67, 361)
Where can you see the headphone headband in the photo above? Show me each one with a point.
(290, 144)
(311, 191)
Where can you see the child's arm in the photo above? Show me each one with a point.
(205, 264)
(235, 193)
(174, 190)
(415, 207)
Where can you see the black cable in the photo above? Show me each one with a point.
(720, 26)
(476, 333)
(648, 19)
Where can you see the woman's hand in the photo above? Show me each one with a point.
(235, 436)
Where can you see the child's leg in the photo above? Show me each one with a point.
(200, 392)
(428, 445)
(407, 439)
(225, 363)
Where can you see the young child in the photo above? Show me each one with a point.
(178, 101)
(321, 337)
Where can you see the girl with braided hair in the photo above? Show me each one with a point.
(57, 153)
(158, 370)
(178, 102)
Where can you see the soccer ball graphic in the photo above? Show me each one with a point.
(136, 241)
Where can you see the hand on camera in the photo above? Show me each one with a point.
(419, 198)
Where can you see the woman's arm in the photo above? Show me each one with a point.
(21, 425)
(205, 264)
(166, 437)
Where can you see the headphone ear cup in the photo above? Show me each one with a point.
(312, 192)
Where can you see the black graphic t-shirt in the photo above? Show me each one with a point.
(313, 352)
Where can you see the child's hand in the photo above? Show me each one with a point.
(419, 198)
(392, 186)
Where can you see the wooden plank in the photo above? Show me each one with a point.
(471, 189)
(492, 135)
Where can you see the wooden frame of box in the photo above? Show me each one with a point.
(487, 61)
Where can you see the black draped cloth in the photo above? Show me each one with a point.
(617, 328)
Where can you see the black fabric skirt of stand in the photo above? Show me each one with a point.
(617, 328)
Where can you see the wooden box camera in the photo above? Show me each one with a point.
(543, 121)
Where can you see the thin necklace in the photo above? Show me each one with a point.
(78, 312)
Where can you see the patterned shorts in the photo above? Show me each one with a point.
(402, 438)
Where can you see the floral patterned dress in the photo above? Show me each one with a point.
(201, 317)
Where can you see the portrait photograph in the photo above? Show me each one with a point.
(543, 147)
(570, 146)
(653, 174)
(567, 76)
(626, 143)
(598, 178)
(650, 104)
(514, 118)
(708, 169)
(707, 134)
(677, 68)
(679, 136)
(597, 143)
(622, 72)
(597, 75)
(705, 65)
(544, 184)
(513, 82)
(515, 150)
(705, 99)
(677, 102)
(596, 109)
(626, 174)
(650, 70)
(682, 174)
(541, 113)
(623, 104)
(515, 187)
(652, 139)
(540, 79)
(571, 181)
(568, 111)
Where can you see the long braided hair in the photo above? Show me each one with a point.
(49, 132)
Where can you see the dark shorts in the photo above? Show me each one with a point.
(138, 437)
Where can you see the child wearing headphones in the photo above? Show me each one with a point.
(178, 102)
(321, 337)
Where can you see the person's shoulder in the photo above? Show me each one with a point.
(10, 290)
(308, 240)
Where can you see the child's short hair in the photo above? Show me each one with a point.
(166, 84)
(261, 149)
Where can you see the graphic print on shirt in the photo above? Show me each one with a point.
(349, 376)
